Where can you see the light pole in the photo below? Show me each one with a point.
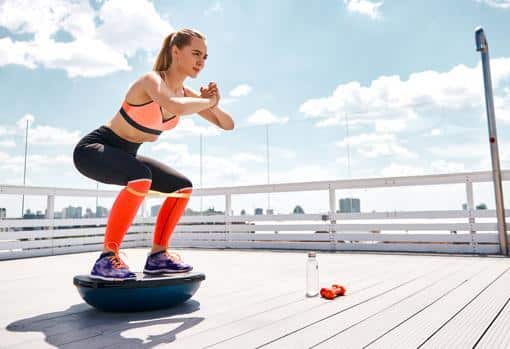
(483, 47)
(24, 170)
(268, 168)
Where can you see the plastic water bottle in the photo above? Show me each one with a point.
(312, 275)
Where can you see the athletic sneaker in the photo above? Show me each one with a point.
(163, 262)
(110, 267)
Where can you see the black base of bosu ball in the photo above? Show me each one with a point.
(140, 294)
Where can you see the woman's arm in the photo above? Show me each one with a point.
(215, 114)
(157, 90)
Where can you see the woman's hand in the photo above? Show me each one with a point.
(211, 92)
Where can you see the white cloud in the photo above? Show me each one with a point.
(125, 27)
(440, 166)
(131, 25)
(36, 163)
(435, 132)
(502, 106)
(504, 4)
(240, 90)
(45, 135)
(22, 123)
(430, 93)
(215, 8)
(188, 127)
(461, 151)
(248, 157)
(265, 117)
(375, 145)
(364, 7)
(48, 135)
(218, 170)
(7, 144)
(390, 126)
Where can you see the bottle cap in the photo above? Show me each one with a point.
(311, 254)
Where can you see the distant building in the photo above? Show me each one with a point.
(89, 213)
(258, 211)
(155, 210)
(270, 211)
(298, 210)
(480, 206)
(349, 205)
(30, 215)
(72, 212)
(101, 211)
(3, 213)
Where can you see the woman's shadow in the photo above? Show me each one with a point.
(81, 326)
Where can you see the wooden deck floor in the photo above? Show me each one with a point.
(256, 299)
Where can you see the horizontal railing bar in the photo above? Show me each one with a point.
(45, 233)
(419, 238)
(438, 179)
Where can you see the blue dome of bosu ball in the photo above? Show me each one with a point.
(140, 294)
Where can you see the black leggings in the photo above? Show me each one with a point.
(107, 158)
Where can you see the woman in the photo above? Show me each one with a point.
(154, 103)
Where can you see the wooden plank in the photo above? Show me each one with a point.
(461, 331)
(331, 317)
(414, 331)
(244, 320)
(226, 286)
(360, 329)
(498, 334)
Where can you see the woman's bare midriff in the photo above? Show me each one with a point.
(120, 126)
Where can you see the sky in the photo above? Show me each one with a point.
(341, 89)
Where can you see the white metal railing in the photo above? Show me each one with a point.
(330, 231)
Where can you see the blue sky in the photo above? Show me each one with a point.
(404, 74)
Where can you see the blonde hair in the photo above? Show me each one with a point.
(180, 39)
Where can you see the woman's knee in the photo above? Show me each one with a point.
(187, 184)
(138, 173)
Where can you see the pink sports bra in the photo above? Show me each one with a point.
(147, 117)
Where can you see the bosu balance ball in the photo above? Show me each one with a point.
(140, 294)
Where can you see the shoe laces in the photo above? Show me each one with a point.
(116, 261)
(173, 256)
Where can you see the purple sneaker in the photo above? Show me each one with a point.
(110, 267)
(163, 262)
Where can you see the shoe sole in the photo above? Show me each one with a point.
(109, 278)
(165, 271)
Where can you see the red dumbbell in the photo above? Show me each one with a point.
(333, 291)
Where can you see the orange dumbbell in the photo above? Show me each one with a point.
(333, 291)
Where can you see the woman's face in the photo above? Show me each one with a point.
(191, 58)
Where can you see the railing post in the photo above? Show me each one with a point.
(50, 214)
(228, 209)
(471, 210)
(332, 220)
(483, 47)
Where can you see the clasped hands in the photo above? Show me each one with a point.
(211, 92)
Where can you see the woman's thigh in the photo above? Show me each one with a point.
(108, 164)
(164, 178)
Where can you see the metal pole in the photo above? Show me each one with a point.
(483, 47)
(24, 170)
(201, 173)
(268, 167)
